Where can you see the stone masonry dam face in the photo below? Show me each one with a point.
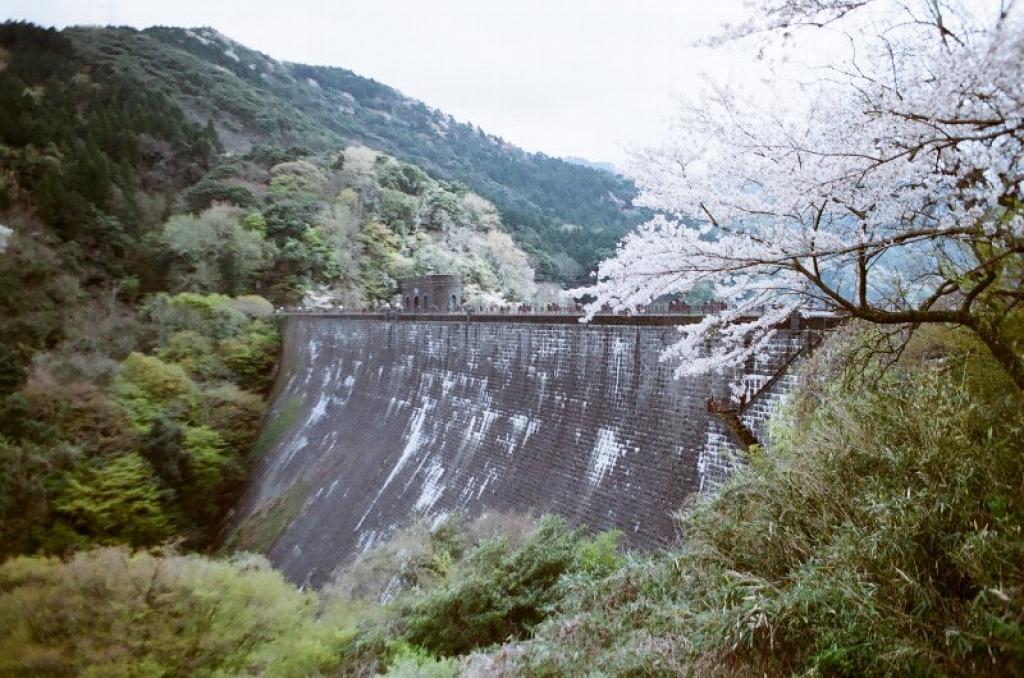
(376, 422)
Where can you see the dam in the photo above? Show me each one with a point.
(378, 420)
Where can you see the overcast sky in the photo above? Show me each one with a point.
(567, 77)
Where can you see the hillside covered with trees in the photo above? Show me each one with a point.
(568, 217)
(139, 266)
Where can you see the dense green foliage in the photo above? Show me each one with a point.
(157, 449)
(109, 613)
(502, 591)
(566, 215)
(70, 137)
(106, 612)
(343, 227)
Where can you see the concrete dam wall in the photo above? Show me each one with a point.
(376, 422)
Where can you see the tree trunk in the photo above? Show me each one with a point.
(1003, 352)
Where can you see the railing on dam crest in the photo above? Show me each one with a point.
(670, 313)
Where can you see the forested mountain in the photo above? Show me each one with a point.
(138, 265)
(566, 215)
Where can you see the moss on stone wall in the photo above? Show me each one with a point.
(260, 530)
(274, 427)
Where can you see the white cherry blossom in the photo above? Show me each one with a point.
(884, 185)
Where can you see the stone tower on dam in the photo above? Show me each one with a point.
(377, 421)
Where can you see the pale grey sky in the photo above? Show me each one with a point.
(566, 77)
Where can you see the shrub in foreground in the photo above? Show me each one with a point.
(107, 612)
(502, 591)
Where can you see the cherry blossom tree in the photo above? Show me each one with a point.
(883, 185)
